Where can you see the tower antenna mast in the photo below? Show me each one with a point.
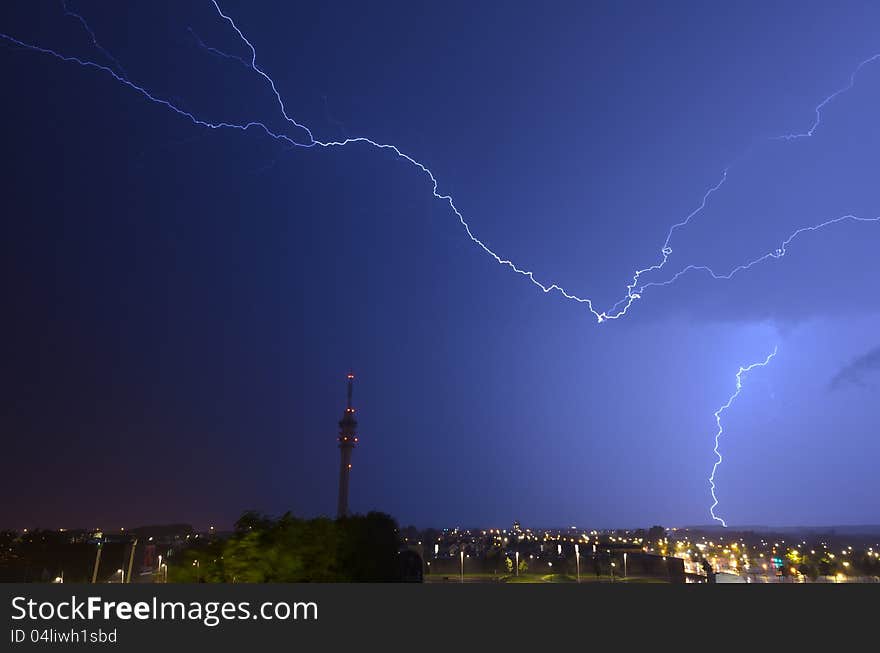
(347, 440)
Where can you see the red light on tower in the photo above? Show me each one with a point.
(347, 440)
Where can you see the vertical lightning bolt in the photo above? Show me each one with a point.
(297, 135)
(720, 431)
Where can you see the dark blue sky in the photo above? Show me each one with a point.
(182, 304)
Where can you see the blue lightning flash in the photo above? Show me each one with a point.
(739, 375)
(301, 136)
(306, 139)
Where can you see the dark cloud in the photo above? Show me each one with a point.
(856, 371)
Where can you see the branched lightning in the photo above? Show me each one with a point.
(215, 51)
(301, 136)
(82, 21)
(665, 251)
(633, 293)
(742, 370)
(821, 105)
(777, 253)
(306, 139)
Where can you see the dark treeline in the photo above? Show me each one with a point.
(360, 548)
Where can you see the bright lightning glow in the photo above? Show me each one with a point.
(633, 290)
(742, 370)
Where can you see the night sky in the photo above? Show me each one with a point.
(181, 304)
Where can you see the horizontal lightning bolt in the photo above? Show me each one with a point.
(775, 254)
(742, 370)
(634, 291)
(305, 139)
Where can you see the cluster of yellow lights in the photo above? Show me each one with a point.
(733, 553)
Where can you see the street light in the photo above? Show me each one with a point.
(517, 563)
(461, 555)
(624, 565)
(577, 560)
(121, 575)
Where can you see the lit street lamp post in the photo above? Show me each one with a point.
(461, 555)
(624, 565)
(577, 561)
